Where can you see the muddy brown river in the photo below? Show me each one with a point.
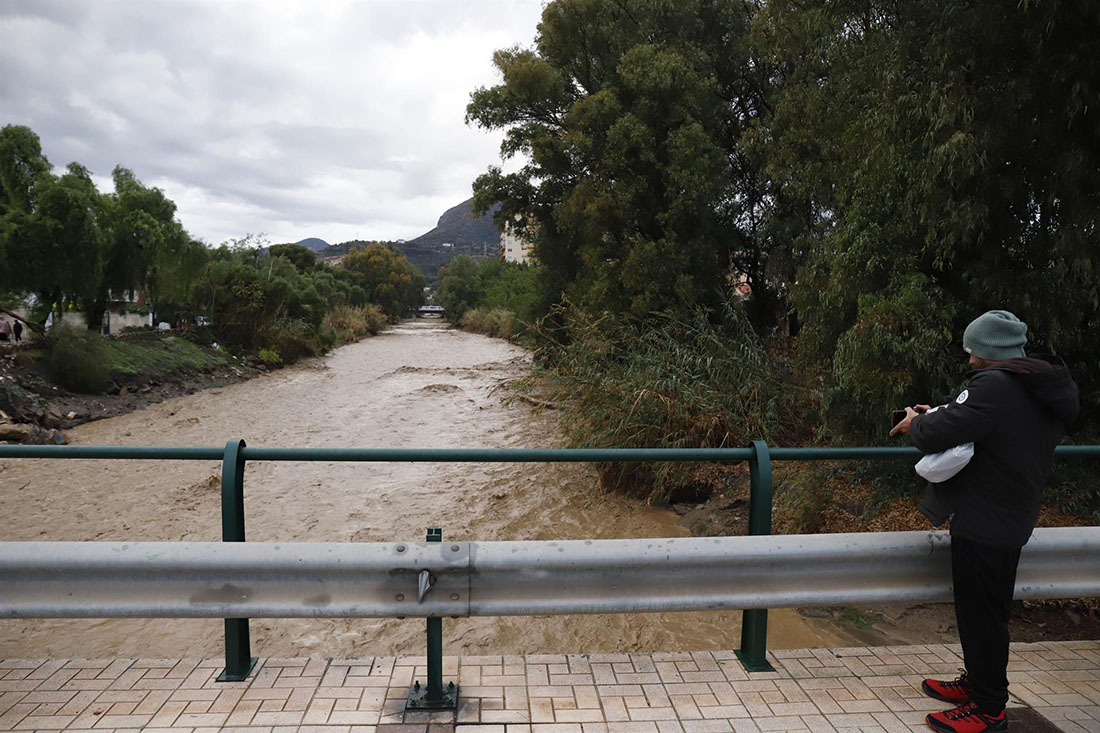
(419, 384)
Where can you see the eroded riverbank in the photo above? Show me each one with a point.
(420, 384)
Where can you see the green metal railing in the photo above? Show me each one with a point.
(238, 659)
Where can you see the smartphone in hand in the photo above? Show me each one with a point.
(895, 417)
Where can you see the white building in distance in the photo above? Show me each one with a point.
(517, 247)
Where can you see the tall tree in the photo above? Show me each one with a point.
(61, 247)
(146, 244)
(951, 153)
(631, 114)
(391, 282)
(460, 286)
(21, 165)
(302, 257)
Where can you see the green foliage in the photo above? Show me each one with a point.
(389, 280)
(258, 302)
(631, 113)
(800, 501)
(302, 257)
(292, 339)
(511, 286)
(498, 322)
(270, 357)
(59, 243)
(78, 360)
(146, 249)
(157, 358)
(75, 246)
(460, 287)
(1073, 486)
(946, 157)
(675, 383)
(76, 249)
(493, 285)
(351, 324)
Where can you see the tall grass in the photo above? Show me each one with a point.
(351, 324)
(497, 322)
(666, 383)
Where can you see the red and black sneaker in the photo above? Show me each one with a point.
(967, 718)
(956, 691)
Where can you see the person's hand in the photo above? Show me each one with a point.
(902, 428)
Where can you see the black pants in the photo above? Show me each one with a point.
(984, 578)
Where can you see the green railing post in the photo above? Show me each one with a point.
(238, 655)
(754, 621)
(434, 697)
(435, 641)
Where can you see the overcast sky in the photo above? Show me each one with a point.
(329, 118)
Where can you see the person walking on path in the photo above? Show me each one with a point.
(17, 330)
(5, 328)
(1014, 410)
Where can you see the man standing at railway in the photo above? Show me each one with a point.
(1014, 410)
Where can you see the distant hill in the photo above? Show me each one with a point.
(457, 228)
(314, 244)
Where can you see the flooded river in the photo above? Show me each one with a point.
(420, 384)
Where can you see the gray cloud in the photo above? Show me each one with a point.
(329, 119)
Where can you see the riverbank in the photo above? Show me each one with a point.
(141, 373)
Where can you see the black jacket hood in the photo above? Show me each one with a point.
(1049, 382)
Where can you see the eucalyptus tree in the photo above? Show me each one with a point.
(22, 163)
(637, 189)
(59, 249)
(147, 247)
(950, 153)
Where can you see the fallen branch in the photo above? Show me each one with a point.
(36, 327)
(543, 404)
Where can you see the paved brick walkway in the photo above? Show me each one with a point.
(843, 690)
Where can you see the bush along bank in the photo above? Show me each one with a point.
(490, 297)
(76, 376)
(705, 381)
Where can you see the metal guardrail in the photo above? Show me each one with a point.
(382, 580)
(235, 455)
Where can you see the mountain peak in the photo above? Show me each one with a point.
(314, 244)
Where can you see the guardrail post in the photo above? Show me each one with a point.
(238, 655)
(754, 621)
(434, 697)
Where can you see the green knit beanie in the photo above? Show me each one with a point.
(995, 335)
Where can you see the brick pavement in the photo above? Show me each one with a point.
(812, 690)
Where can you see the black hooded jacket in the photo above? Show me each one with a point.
(1015, 414)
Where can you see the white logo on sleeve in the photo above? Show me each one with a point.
(962, 396)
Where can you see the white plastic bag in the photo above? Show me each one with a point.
(938, 467)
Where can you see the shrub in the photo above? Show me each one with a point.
(270, 357)
(292, 339)
(78, 360)
(498, 322)
(351, 324)
(663, 382)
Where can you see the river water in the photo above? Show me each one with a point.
(419, 384)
